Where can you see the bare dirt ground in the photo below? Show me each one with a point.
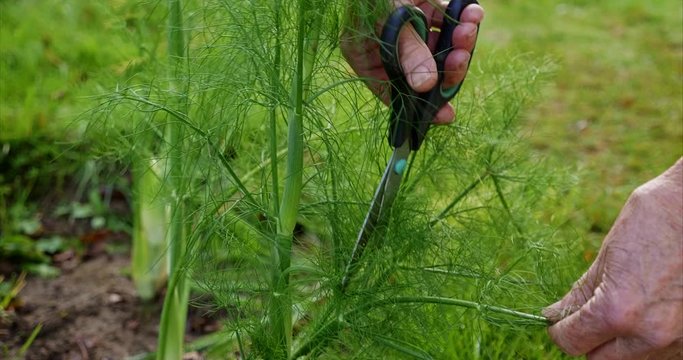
(91, 312)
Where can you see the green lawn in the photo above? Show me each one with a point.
(613, 112)
(54, 54)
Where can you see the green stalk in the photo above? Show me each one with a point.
(174, 313)
(501, 197)
(536, 319)
(281, 303)
(149, 229)
(457, 199)
(280, 312)
(274, 80)
(329, 329)
(139, 254)
(295, 140)
(30, 340)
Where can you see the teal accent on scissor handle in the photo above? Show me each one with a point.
(412, 112)
(400, 166)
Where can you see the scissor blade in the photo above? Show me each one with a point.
(378, 213)
(394, 176)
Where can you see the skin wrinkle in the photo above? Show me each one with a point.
(640, 294)
(633, 346)
(585, 317)
(585, 288)
(614, 316)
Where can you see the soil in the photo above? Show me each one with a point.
(91, 310)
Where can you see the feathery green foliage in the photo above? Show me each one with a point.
(267, 93)
(610, 113)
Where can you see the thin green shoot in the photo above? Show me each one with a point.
(16, 287)
(444, 213)
(29, 341)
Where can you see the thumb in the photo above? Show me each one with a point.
(581, 292)
(586, 329)
(416, 60)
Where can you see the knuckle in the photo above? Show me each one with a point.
(571, 334)
(464, 28)
(624, 318)
(637, 195)
(645, 192)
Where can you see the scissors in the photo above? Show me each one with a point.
(411, 112)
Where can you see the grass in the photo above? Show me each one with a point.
(611, 113)
(51, 53)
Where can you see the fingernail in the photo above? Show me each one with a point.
(551, 315)
(549, 312)
(419, 76)
(553, 312)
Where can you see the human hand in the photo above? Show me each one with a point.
(629, 304)
(417, 62)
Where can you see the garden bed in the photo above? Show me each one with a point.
(90, 311)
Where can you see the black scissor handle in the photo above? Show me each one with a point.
(412, 112)
(403, 98)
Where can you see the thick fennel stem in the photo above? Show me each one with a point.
(174, 313)
(280, 311)
(150, 223)
(274, 80)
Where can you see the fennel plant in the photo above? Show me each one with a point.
(273, 151)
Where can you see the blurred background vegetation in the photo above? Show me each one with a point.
(612, 112)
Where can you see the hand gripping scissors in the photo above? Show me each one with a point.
(411, 112)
